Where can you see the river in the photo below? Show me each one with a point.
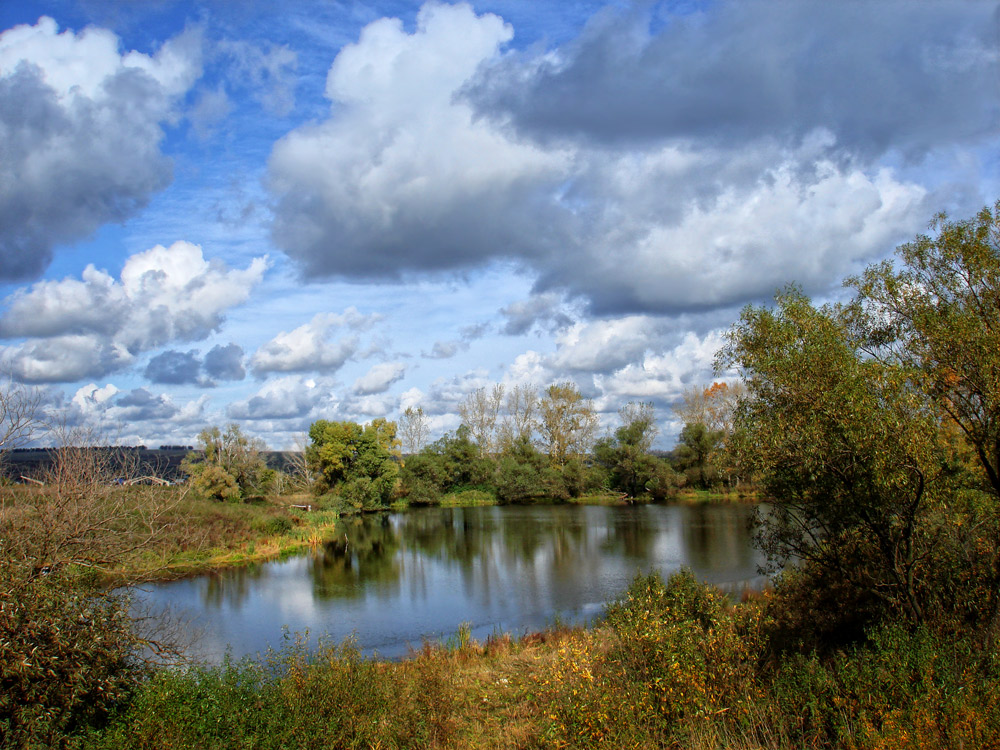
(393, 580)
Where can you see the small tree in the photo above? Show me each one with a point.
(850, 451)
(230, 466)
(695, 454)
(479, 412)
(625, 455)
(520, 418)
(412, 430)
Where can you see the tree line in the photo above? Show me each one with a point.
(515, 445)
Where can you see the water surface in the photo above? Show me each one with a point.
(394, 580)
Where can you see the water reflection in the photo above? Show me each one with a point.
(395, 579)
(365, 554)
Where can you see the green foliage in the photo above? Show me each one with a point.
(214, 482)
(520, 473)
(230, 466)
(67, 659)
(626, 460)
(450, 464)
(272, 525)
(330, 699)
(567, 423)
(848, 446)
(696, 455)
(357, 462)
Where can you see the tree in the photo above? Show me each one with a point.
(412, 429)
(357, 462)
(21, 416)
(695, 454)
(567, 423)
(520, 417)
(937, 316)
(230, 466)
(625, 456)
(479, 412)
(453, 462)
(849, 449)
(712, 406)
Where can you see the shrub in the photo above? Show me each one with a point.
(67, 658)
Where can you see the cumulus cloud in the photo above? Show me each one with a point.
(310, 347)
(284, 398)
(96, 325)
(379, 378)
(604, 345)
(80, 133)
(225, 362)
(364, 408)
(140, 405)
(402, 176)
(662, 376)
(134, 417)
(174, 368)
(63, 359)
(629, 168)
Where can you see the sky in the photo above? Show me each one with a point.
(217, 211)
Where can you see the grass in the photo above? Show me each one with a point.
(674, 665)
(202, 535)
(691, 496)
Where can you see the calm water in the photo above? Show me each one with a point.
(394, 580)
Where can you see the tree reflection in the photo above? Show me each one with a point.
(364, 555)
(631, 533)
(717, 538)
(231, 586)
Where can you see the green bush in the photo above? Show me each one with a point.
(67, 658)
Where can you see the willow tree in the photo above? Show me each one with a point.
(935, 313)
(849, 448)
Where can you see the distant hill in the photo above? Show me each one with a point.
(163, 462)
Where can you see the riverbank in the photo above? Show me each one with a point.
(671, 666)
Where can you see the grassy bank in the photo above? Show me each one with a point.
(672, 666)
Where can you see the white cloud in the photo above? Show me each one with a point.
(81, 128)
(604, 345)
(662, 377)
(379, 378)
(134, 417)
(310, 347)
(291, 397)
(64, 359)
(96, 325)
(423, 166)
(402, 175)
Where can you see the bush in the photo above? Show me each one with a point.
(67, 658)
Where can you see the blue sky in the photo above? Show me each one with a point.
(275, 213)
